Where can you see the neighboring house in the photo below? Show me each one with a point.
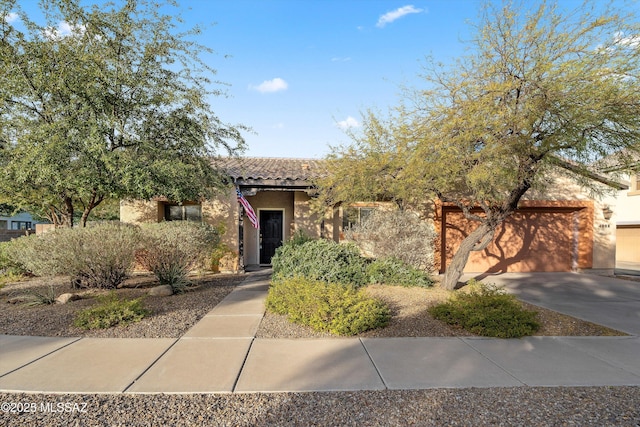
(625, 217)
(560, 231)
(16, 226)
(21, 221)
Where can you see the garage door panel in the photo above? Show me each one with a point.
(525, 242)
(628, 243)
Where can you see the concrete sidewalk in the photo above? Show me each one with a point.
(220, 355)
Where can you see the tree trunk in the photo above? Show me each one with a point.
(66, 216)
(94, 202)
(477, 240)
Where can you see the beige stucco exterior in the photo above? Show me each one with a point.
(563, 216)
(224, 210)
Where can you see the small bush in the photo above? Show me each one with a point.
(111, 311)
(392, 271)
(98, 256)
(321, 259)
(46, 297)
(172, 249)
(487, 311)
(331, 307)
(9, 266)
(398, 234)
(300, 238)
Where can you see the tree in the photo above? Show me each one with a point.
(113, 107)
(539, 94)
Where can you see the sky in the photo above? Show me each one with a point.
(303, 72)
(300, 73)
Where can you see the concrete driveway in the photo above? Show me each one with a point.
(603, 300)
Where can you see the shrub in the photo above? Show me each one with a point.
(331, 307)
(100, 255)
(396, 234)
(111, 311)
(487, 311)
(9, 266)
(393, 271)
(172, 249)
(46, 297)
(300, 238)
(321, 259)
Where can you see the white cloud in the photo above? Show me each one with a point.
(64, 29)
(348, 123)
(391, 16)
(269, 86)
(630, 41)
(341, 59)
(278, 126)
(11, 17)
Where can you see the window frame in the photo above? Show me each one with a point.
(184, 209)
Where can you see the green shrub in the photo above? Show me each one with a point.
(300, 238)
(172, 249)
(111, 311)
(321, 259)
(100, 255)
(331, 307)
(9, 266)
(46, 297)
(393, 271)
(487, 311)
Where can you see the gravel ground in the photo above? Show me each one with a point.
(170, 316)
(522, 406)
(410, 319)
(519, 406)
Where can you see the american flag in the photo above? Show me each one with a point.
(248, 209)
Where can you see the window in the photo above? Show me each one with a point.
(182, 212)
(21, 225)
(355, 216)
(3, 224)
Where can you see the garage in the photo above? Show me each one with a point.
(533, 239)
(628, 243)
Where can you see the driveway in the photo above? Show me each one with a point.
(603, 300)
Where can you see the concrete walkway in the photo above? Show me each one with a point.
(220, 354)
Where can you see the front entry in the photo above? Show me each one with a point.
(270, 234)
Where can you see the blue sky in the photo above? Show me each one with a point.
(302, 71)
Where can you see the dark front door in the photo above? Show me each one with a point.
(270, 234)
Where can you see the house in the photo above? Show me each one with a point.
(279, 191)
(562, 230)
(16, 226)
(624, 211)
(20, 221)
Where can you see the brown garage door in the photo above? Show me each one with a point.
(628, 243)
(537, 239)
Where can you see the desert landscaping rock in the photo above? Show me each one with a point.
(519, 406)
(161, 291)
(498, 406)
(67, 297)
(171, 317)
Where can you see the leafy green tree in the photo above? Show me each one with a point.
(540, 93)
(105, 102)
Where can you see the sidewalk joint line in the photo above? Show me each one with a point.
(468, 344)
(246, 356)
(43, 356)
(150, 366)
(374, 364)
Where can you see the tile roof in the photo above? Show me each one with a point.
(270, 168)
